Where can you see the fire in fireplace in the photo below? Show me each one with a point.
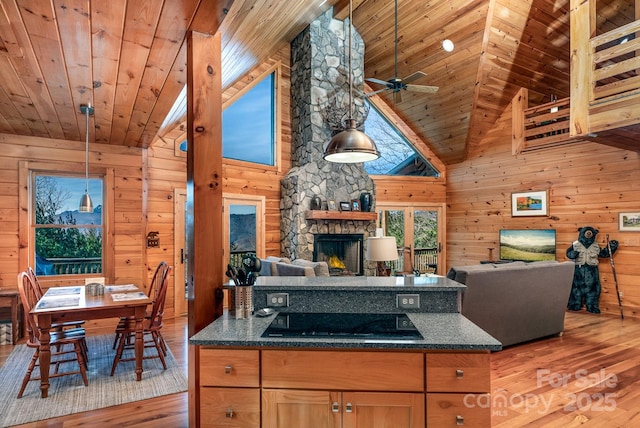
(342, 252)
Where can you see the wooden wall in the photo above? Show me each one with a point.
(588, 183)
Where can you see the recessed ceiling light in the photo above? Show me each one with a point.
(447, 45)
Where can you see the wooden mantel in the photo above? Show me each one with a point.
(340, 215)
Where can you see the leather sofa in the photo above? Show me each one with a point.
(282, 266)
(516, 302)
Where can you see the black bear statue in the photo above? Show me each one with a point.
(585, 252)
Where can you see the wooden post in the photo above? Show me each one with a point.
(581, 67)
(518, 105)
(204, 195)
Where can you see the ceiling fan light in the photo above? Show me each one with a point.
(448, 45)
(351, 146)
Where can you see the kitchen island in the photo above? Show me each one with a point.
(439, 379)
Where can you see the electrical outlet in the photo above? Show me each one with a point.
(278, 300)
(408, 301)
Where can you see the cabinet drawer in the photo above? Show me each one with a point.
(455, 410)
(344, 370)
(222, 367)
(458, 372)
(229, 407)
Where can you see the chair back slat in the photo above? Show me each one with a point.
(29, 296)
(34, 278)
(157, 279)
(157, 309)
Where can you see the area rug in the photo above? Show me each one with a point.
(67, 394)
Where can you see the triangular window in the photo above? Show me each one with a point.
(397, 154)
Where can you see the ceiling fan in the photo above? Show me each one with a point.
(397, 84)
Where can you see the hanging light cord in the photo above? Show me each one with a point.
(350, 71)
(86, 151)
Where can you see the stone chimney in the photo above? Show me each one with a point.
(320, 103)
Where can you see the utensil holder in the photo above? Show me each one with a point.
(243, 301)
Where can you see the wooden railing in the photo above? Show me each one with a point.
(76, 266)
(425, 260)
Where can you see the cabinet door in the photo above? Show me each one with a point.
(229, 407)
(453, 410)
(286, 408)
(382, 410)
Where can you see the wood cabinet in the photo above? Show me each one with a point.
(343, 388)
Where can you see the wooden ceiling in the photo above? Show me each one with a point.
(127, 57)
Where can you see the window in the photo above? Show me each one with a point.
(244, 227)
(65, 241)
(397, 155)
(248, 125)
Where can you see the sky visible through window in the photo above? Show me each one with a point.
(74, 186)
(247, 125)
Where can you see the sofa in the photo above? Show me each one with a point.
(516, 302)
(282, 266)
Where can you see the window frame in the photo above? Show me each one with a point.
(26, 227)
(277, 119)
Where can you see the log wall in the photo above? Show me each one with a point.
(589, 185)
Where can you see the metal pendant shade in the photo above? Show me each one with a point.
(351, 145)
(86, 205)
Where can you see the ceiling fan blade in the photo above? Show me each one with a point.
(397, 97)
(423, 88)
(374, 80)
(368, 94)
(415, 76)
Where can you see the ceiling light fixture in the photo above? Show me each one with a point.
(86, 206)
(351, 145)
(447, 45)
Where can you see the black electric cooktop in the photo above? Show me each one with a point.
(342, 325)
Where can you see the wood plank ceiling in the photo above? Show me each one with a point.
(127, 57)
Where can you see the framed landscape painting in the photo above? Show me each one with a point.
(524, 204)
(629, 221)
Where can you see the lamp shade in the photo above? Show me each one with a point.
(351, 146)
(86, 205)
(382, 248)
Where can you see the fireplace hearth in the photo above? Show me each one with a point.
(342, 252)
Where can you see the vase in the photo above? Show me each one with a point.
(365, 201)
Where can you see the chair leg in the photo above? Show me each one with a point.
(27, 376)
(116, 358)
(156, 342)
(115, 340)
(81, 362)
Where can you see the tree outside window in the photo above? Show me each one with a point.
(66, 241)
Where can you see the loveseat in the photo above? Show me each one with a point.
(282, 266)
(516, 302)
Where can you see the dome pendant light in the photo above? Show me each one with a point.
(351, 145)
(86, 205)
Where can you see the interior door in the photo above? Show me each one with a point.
(419, 231)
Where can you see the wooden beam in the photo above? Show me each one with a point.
(518, 105)
(204, 194)
(581, 68)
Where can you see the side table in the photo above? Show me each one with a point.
(11, 299)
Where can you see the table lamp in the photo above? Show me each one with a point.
(382, 249)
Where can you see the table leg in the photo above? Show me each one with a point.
(139, 345)
(44, 324)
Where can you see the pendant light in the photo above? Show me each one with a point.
(86, 206)
(351, 145)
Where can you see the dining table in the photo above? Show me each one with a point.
(88, 302)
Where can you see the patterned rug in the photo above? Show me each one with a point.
(67, 394)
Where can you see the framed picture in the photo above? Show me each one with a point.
(525, 204)
(355, 205)
(331, 205)
(629, 221)
(345, 206)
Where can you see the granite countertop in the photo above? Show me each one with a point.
(362, 283)
(441, 331)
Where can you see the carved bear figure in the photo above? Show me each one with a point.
(585, 252)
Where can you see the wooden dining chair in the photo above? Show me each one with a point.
(59, 356)
(152, 326)
(156, 281)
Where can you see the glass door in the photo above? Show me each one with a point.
(418, 231)
(243, 229)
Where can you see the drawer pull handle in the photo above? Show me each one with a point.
(459, 420)
(335, 407)
(229, 413)
(227, 369)
(459, 374)
(348, 408)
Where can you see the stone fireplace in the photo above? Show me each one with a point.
(343, 252)
(319, 89)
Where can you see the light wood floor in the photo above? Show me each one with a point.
(590, 376)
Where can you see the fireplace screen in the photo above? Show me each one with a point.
(342, 252)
